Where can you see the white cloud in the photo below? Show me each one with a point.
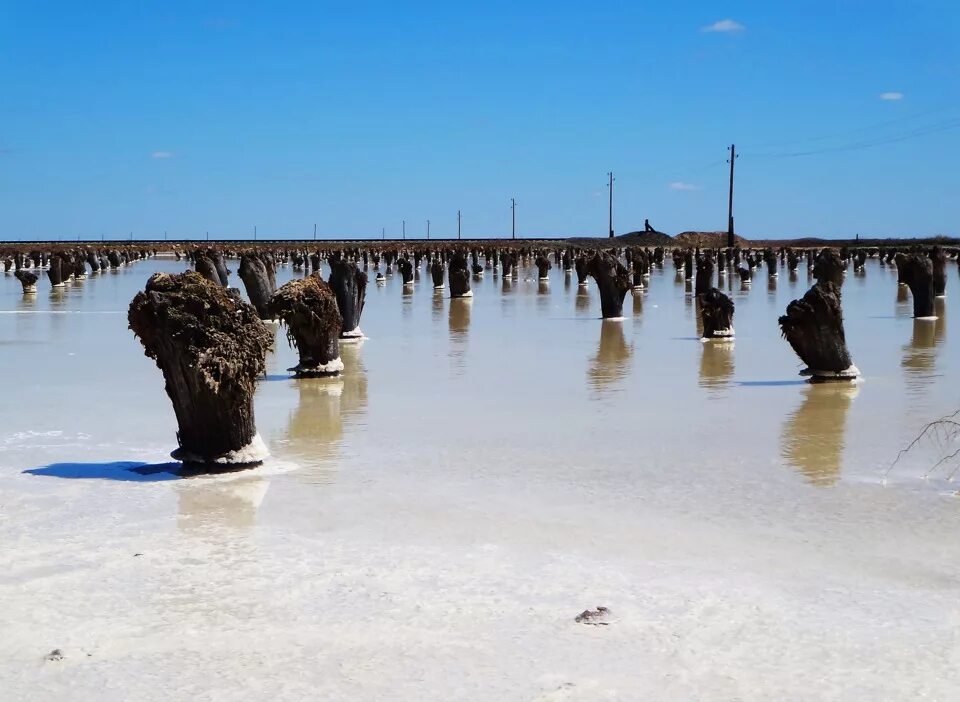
(727, 26)
(893, 95)
(680, 185)
(162, 154)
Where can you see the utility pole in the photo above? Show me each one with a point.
(513, 218)
(733, 158)
(314, 232)
(383, 232)
(458, 224)
(428, 230)
(610, 217)
(404, 230)
(254, 232)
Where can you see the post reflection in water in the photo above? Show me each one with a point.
(543, 297)
(406, 305)
(459, 323)
(904, 308)
(581, 301)
(612, 362)
(814, 435)
(716, 364)
(315, 429)
(206, 502)
(637, 303)
(436, 306)
(920, 355)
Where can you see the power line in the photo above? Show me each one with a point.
(868, 143)
(859, 130)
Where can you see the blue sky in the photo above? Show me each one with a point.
(190, 117)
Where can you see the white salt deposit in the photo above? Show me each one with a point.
(253, 452)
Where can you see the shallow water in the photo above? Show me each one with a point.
(430, 524)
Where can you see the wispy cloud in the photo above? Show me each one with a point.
(680, 185)
(162, 154)
(724, 26)
(893, 95)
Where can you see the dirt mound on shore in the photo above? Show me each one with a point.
(706, 240)
(645, 239)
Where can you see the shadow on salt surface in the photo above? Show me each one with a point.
(139, 472)
(133, 471)
(273, 378)
(771, 383)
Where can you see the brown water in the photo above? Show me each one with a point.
(431, 522)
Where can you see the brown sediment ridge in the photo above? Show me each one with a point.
(702, 239)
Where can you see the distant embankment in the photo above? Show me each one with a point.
(687, 239)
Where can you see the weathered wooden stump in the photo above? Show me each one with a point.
(256, 279)
(792, 261)
(459, 276)
(898, 259)
(770, 259)
(350, 288)
(204, 266)
(613, 281)
(580, 264)
(939, 260)
(704, 277)
(813, 326)
(917, 273)
(28, 279)
(860, 260)
(57, 272)
(507, 262)
(436, 273)
(829, 268)
(211, 348)
(308, 309)
(716, 314)
(543, 267)
(406, 271)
